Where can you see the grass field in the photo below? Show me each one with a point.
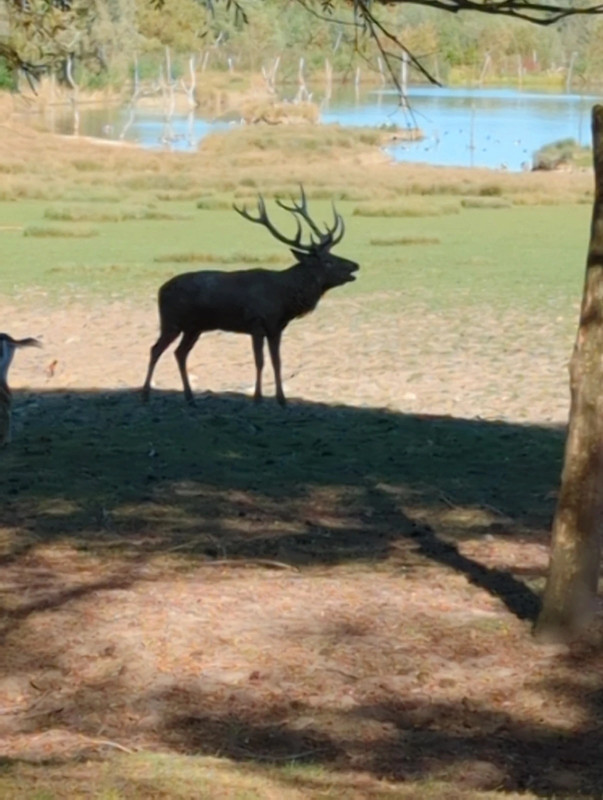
(331, 600)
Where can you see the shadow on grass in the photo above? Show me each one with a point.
(411, 739)
(311, 484)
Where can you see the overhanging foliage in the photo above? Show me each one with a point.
(40, 35)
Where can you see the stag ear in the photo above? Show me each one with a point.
(303, 257)
(299, 255)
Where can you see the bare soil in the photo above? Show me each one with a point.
(350, 581)
(490, 366)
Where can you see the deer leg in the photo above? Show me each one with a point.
(5, 419)
(258, 354)
(186, 345)
(164, 341)
(274, 345)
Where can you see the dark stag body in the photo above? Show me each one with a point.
(259, 302)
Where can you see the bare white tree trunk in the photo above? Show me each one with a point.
(74, 97)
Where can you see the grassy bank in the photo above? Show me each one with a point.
(77, 217)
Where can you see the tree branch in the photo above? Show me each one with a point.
(365, 20)
(374, 28)
(534, 12)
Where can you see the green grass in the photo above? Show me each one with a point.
(45, 231)
(149, 776)
(484, 257)
(485, 201)
(411, 207)
(257, 259)
(394, 241)
(213, 204)
(114, 214)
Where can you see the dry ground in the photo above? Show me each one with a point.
(493, 365)
(405, 656)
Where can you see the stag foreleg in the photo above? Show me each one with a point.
(187, 343)
(274, 346)
(258, 355)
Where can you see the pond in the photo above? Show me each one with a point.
(496, 128)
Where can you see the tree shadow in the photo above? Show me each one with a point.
(312, 484)
(517, 597)
(397, 738)
(110, 481)
(49, 595)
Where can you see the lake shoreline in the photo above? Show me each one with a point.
(495, 128)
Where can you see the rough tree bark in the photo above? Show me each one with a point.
(569, 598)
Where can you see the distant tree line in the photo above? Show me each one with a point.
(99, 40)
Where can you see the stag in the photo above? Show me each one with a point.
(8, 345)
(259, 302)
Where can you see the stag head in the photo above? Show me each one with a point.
(316, 253)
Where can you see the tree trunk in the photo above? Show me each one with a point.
(569, 598)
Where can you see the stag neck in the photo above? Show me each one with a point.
(305, 288)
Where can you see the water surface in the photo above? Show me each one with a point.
(496, 128)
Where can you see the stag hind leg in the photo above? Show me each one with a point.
(164, 341)
(188, 341)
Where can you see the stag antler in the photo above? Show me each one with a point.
(326, 239)
(262, 219)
